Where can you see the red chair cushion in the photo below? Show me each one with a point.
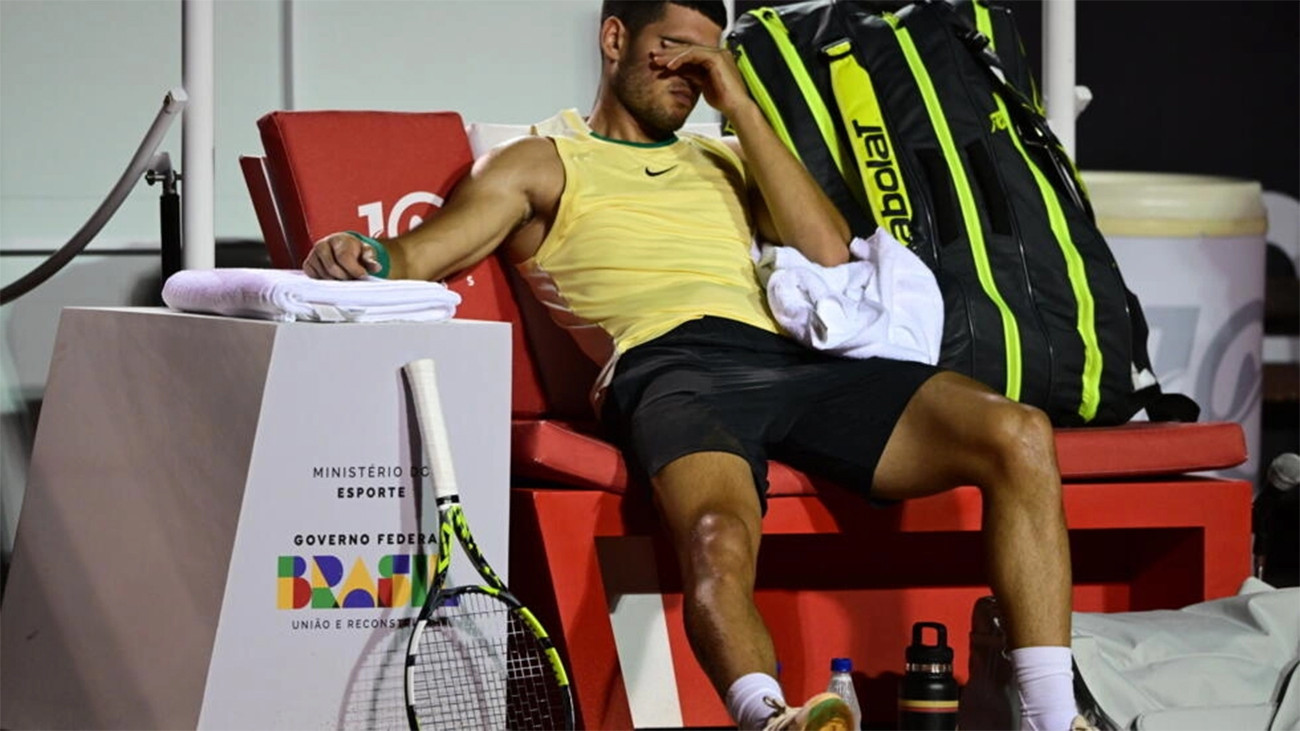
(557, 452)
(1142, 449)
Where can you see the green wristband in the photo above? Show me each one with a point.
(381, 253)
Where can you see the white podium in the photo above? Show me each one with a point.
(220, 528)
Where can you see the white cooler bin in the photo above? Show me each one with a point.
(1191, 248)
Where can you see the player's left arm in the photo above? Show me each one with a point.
(789, 207)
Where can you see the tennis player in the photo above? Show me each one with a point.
(638, 239)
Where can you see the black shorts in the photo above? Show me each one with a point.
(717, 385)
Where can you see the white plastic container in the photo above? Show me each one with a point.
(1191, 248)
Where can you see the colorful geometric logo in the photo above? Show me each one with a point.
(318, 582)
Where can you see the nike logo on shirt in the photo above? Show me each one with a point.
(656, 173)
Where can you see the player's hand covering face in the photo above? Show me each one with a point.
(663, 70)
(710, 69)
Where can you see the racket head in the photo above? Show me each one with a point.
(480, 659)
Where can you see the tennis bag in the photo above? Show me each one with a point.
(923, 119)
(1226, 663)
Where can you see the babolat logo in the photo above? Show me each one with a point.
(884, 184)
(999, 121)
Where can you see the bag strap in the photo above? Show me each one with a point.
(1147, 394)
(873, 147)
(1030, 123)
(1005, 43)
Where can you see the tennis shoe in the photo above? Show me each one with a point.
(822, 712)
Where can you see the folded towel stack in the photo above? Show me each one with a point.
(288, 295)
(883, 303)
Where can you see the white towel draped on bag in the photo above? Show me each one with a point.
(885, 302)
(288, 295)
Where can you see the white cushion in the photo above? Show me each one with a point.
(484, 136)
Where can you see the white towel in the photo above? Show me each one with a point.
(288, 295)
(883, 303)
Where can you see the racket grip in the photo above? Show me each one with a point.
(423, 379)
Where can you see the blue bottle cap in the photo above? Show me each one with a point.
(841, 665)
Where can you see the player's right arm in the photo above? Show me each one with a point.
(506, 189)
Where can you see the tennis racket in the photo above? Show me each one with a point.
(477, 658)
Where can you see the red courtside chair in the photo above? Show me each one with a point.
(258, 180)
(836, 577)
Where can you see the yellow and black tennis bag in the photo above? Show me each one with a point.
(923, 119)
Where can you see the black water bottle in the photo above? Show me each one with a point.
(927, 695)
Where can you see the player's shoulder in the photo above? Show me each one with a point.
(530, 163)
(521, 152)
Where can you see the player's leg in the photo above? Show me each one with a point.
(909, 431)
(710, 508)
(955, 431)
(711, 511)
(691, 410)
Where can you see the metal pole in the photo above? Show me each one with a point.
(169, 213)
(197, 147)
(1059, 69)
(286, 53)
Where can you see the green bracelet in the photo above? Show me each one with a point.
(381, 253)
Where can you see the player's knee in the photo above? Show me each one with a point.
(720, 547)
(1020, 438)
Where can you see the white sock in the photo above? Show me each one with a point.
(1046, 683)
(745, 699)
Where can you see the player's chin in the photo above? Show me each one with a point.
(684, 100)
(677, 112)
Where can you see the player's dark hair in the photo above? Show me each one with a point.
(637, 14)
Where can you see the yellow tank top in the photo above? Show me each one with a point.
(646, 237)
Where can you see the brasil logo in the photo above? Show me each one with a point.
(318, 582)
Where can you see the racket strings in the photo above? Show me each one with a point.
(375, 698)
(479, 665)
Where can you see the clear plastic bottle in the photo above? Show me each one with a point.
(842, 685)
